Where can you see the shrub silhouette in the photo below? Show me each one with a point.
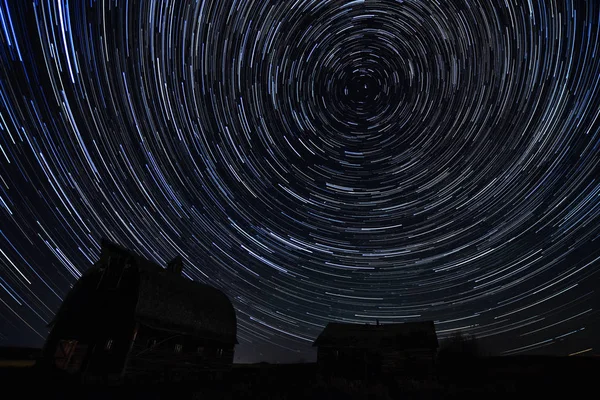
(459, 346)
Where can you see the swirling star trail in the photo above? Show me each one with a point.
(317, 160)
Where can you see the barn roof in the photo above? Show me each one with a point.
(165, 299)
(402, 335)
(168, 301)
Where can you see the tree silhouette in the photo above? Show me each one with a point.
(459, 346)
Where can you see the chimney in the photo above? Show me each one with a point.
(175, 266)
(377, 322)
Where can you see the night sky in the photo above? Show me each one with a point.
(316, 160)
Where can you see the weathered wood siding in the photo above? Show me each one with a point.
(408, 362)
(160, 356)
(364, 363)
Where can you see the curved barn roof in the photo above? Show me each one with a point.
(165, 299)
(172, 302)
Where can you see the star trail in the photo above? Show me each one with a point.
(316, 160)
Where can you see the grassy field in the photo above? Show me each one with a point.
(483, 378)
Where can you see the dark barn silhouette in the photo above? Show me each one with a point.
(127, 318)
(367, 351)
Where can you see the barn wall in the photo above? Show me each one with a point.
(156, 354)
(97, 310)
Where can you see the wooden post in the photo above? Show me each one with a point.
(128, 356)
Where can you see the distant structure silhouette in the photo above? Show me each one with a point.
(365, 351)
(127, 318)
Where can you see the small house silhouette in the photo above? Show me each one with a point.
(364, 351)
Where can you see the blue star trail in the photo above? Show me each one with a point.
(316, 160)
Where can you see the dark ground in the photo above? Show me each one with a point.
(484, 378)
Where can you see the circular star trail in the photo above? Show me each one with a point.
(317, 160)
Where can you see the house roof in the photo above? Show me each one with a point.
(409, 335)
